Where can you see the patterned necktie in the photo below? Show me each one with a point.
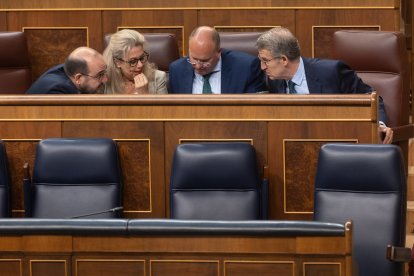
(206, 84)
(291, 86)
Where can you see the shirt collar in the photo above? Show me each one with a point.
(299, 76)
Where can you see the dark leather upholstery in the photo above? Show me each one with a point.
(248, 227)
(4, 183)
(216, 181)
(137, 227)
(240, 41)
(365, 184)
(15, 68)
(35, 226)
(72, 177)
(163, 48)
(381, 60)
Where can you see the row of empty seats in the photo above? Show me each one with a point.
(220, 181)
(82, 178)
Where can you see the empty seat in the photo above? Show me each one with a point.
(15, 67)
(217, 181)
(74, 177)
(364, 183)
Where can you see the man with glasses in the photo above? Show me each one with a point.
(288, 72)
(208, 69)
(84, 72)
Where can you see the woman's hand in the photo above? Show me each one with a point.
(141, 84)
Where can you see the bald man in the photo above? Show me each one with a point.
(208, 69)
(84, 72)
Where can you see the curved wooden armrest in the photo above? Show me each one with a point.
(403, 133)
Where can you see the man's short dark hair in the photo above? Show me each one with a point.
(73, 66)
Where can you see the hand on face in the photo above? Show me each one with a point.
(141, 84)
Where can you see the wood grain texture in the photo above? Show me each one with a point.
(285, 130)
(46, 4)
(44, 51)
(178, 255)
(141, 148)
(181, 17)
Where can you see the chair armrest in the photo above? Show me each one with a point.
(27, 190)
(403, 133)
(264, 200)
(398, 254)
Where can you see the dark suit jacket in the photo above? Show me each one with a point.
(53, 81)
(330, 77)
(240, 73)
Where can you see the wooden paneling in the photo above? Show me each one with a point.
(246, 268)
(247, 18)
(52, 35)
(285, 130)
(179, 22)
(292, 166)
(184, 268)
(322, 269)
(11, 266)
(3, 21)
(108, 267)
(178, 254)
(45, 4)
(181, 17)
(141, 147)
(48, 267)
(43, 55)
(20, 141)
(388, 20)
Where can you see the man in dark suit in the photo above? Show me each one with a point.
(84, 72)
(288, 72)
(210, 69)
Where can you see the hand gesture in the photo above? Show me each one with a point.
(141, 84)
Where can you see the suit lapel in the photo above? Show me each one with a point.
(225, 75)
(312, 79)
(187, 79)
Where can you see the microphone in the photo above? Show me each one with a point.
(113, 210)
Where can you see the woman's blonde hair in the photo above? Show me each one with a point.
(120, 44)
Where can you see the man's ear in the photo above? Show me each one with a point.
(284, 59)
(77, 77)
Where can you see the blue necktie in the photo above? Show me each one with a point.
(206, 84)
(291, 86)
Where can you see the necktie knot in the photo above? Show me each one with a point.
(291, 86)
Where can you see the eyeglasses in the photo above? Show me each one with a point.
(100, 76)
(134, 61)
(266, 62)
(203, 64)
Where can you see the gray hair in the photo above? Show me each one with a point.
(120, 44)
(279, 41)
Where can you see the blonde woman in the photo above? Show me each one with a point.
(129, 71)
